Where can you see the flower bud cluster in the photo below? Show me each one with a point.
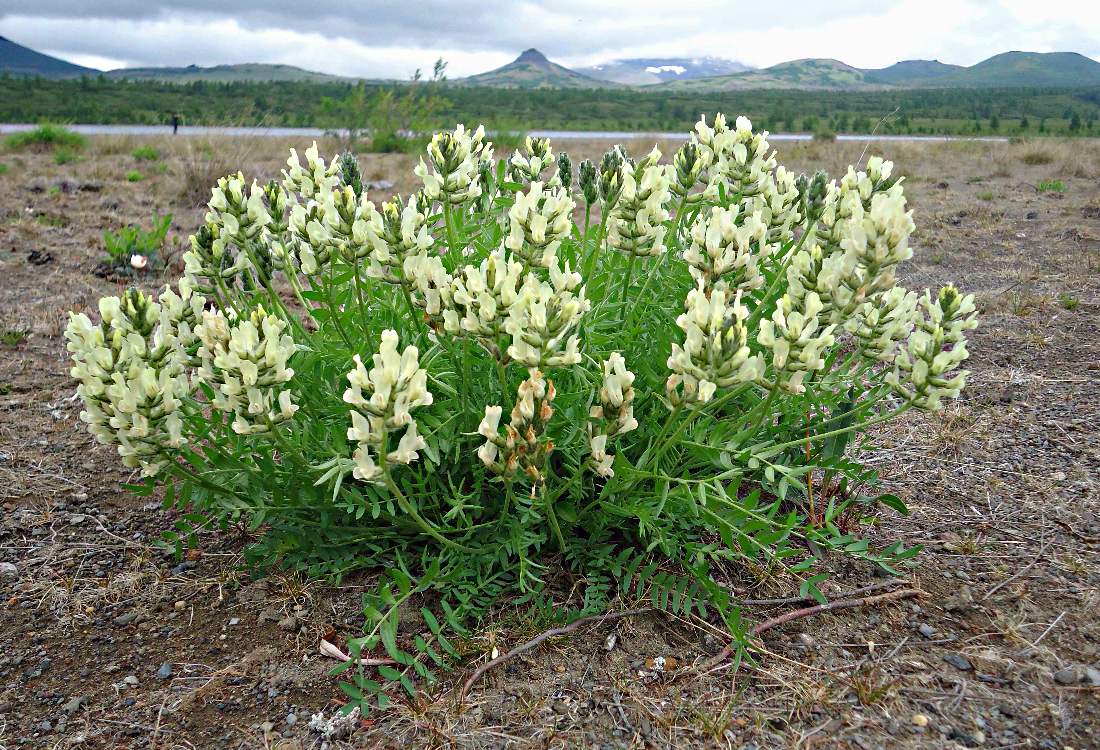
(537, 223)
(926, 369)
(613, 415)
(565, 172)
(527, 165)
(543, 316)
(728, 242)
(588, 182)
(609, 178)
(383, 399)
(523, 447)
(715, 353)
(244, 360)
(636, 225)
(456, 159)
(131, 375)
(689, 166)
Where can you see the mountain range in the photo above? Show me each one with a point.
(533, 70)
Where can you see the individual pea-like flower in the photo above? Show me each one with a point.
(456, 158)
(874, 243)
(528, 164)
(244, 360)
(537, 223)
(397, 233)
(882, 324)
(797, 336)
(715, 353)
(636, 224)
(315, 178)
(613, 416)
(383, 399)
(588, 182)
(727, 245)
(481, 297)
(524, 446)
(926, 368)
(131, 379)
(544, 316)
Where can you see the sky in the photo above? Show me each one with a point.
(392, 38)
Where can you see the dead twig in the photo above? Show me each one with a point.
(522, 648)
(798, 614)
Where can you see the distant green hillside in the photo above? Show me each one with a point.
(224, 73)
(797, 74)
(531, 70)
(1067, 69)
(908, 72)
(24, 61)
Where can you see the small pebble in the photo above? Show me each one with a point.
(291, 719)
(165, 671)
(926, 630)
(130, 680)
(1067, 676)
(8, 570)
(180, 604)
(920, 720)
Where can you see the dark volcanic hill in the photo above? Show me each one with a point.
(16, 59)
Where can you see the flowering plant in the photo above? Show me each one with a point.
(471, 390)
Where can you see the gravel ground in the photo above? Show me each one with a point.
(106, 641)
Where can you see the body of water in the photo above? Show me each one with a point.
(595, 135)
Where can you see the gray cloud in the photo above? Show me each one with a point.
(390, 37)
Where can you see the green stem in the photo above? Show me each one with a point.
(406, 506)
(628, 278)
(552, 517)
(821, 436)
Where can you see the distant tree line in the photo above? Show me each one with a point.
(306, 104)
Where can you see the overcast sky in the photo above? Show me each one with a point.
(391, 38)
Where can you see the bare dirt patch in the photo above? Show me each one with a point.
(108, 641)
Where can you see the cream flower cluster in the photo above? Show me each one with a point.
(398, 234)
(315, 179)
(537, 223)
(874, 242)
(527, 165)
(926, 369)
(131, 375)
(778, 203)
(715, 353)
(880, 325)
(244, 360)
(797, 337)
(240, 219)
(613, 415)
(456, 159)
(524, 446)
(854, 192)
(737, 157)
(543, 316)
(383, 399)
(481, 296)
(728, 244)
(636, 225)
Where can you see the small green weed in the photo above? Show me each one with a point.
(134, 176)
(1052, 186)
(46, 137)
(1068, 301)
(13, 336)
(146, 153)
(132, 240)
(986, 195)
(64, 155)
(4, 169)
